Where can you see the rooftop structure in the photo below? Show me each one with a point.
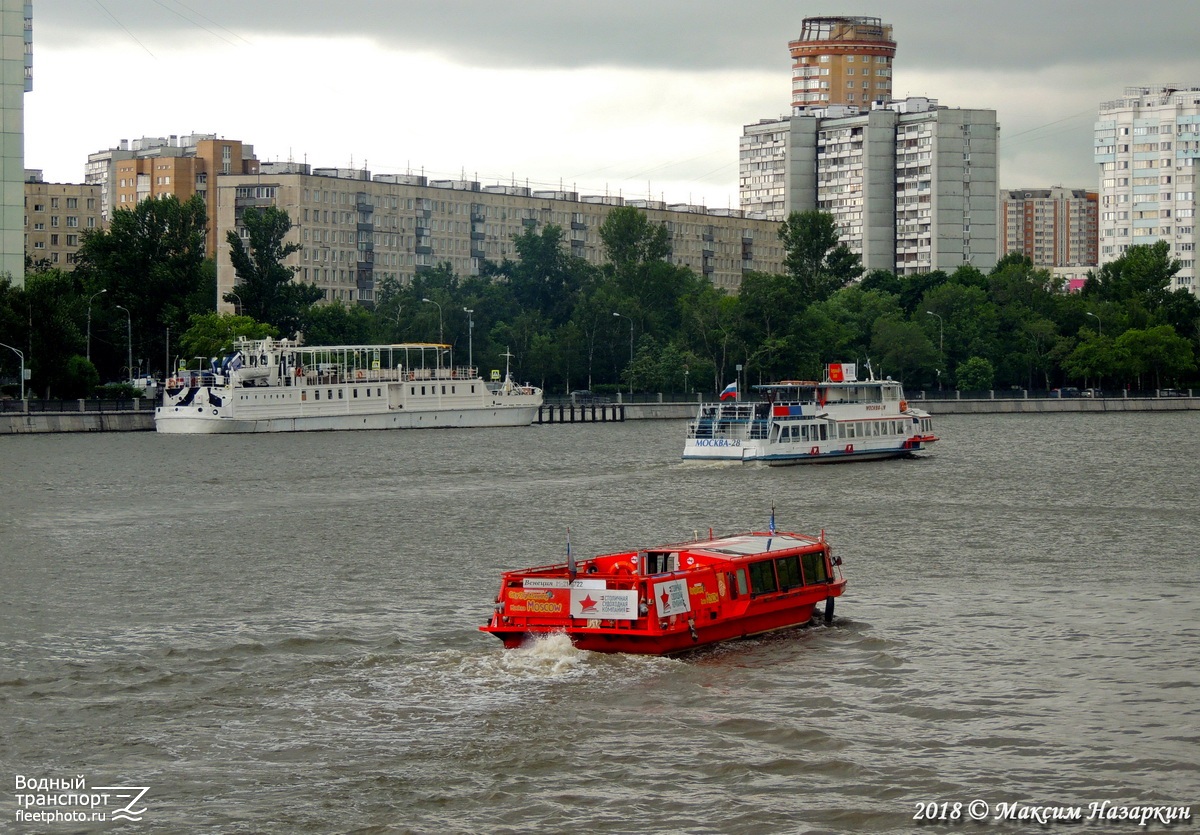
(842, 60)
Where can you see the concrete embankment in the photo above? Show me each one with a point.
(142, 419)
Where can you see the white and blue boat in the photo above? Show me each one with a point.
(838, 419)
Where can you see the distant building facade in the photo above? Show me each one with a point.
(842, 60)
(16, 79)
(158, 166)
(912, 186)
(56, 217)
(355, 230)
(1053, 227)
(1147, 144)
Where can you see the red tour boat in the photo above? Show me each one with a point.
(674, 598)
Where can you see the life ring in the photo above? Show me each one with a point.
(904, 405)
(299, 371)
(622, 567)
(358, 374)
(814, 451)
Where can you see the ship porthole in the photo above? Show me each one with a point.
(214, 411)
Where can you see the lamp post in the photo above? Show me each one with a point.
(89, 336)
(128, 337)
(237, 310)
(470, 337)
(22, 358)
(630, 349)
(1099, 324)
(441, 339)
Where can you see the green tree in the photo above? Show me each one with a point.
(212, 334)
(265, 285)
(815, 260)
(152, 262)
(903, 349)
(976, 374)
(1158, 351)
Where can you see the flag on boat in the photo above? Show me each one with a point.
(772, 528)
(730, 391)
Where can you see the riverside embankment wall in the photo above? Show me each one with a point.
(142, 418)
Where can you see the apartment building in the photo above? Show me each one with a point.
(1147, 144)
(912, 185)
(842, 60)
(56, 217)
(356, 230)
(1053, 227)
(157, 166)
(16, 79)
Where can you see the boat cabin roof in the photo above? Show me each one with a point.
(745, 545)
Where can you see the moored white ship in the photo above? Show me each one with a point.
(278, 385)
(841, 418)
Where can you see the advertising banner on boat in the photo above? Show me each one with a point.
(672, 598)
(608, 604)
(843, 372)
(536, 601)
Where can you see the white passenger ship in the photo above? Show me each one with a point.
(806, 422)
(271, 385)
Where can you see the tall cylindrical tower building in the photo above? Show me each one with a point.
(842, 60)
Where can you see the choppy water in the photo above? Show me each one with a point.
(278, 633)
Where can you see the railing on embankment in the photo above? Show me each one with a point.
(52, 416)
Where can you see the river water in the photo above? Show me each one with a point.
(278, 633)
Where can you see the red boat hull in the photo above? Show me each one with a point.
(673, 599)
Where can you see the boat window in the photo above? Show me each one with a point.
(788, 569)
(356, 394)
(422, 389)
(814, 567)
(443, 389)
(341, 392)
(841, 430)
(661, 562)
(762, 577)
(824, 432)
(330, 394)
(316, 394)
(740, 585)
(304, 395)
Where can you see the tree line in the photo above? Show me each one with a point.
(142, 300)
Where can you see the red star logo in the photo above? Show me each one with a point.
(587, 604)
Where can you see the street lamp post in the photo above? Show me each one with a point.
(22, 358)
(470, 337)
(237, 310)
(1099, 324)
(441, 339)
(128, 338)
(630, 350)
(89, 336)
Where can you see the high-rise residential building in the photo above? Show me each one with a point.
(158, 166)
(16, 79)
(56, 217)
(842, 60)
(356, 231)
(911, 185)
(1053, 227)
(1147, 144)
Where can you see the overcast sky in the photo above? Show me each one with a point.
(644, 98)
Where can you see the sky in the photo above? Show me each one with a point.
(642, 99)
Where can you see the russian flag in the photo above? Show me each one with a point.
(730, 391)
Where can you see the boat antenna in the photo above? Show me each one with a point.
(571, 568)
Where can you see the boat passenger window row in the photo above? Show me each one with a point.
(412, 390)
(871, 428)
(782, 574)
(804, 433)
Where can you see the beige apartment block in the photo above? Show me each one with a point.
(356, 231)
(16, 62)
(156, 167)
(1053, 227)
(842, 60)
(56, 217)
